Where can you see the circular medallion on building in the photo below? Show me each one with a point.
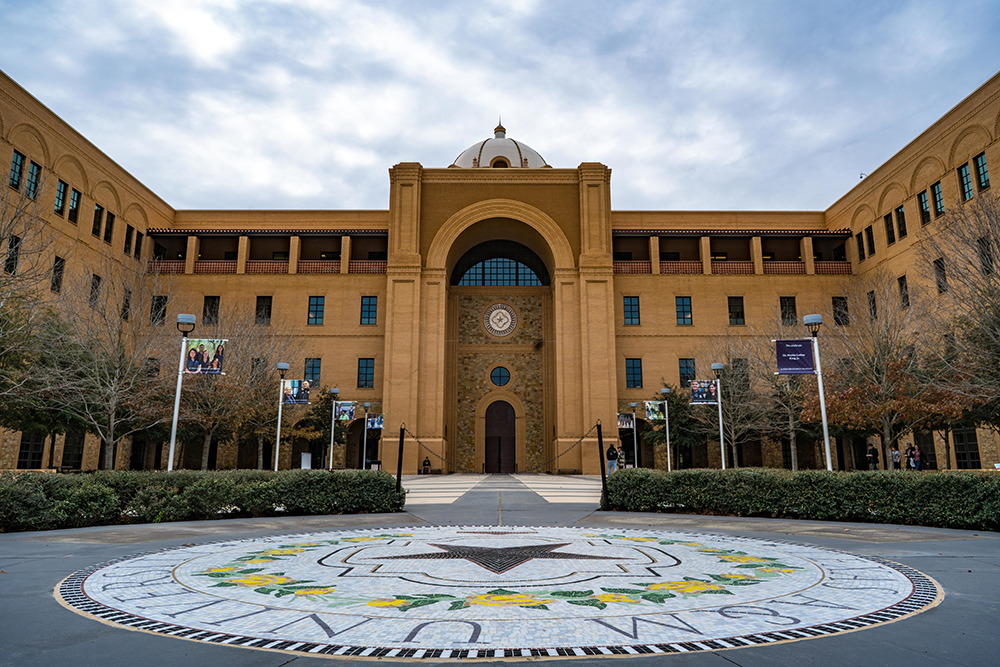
(454, 592)
(500, 320)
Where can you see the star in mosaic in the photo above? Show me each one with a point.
(499, 560)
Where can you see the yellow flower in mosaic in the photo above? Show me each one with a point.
(513, 600)
(685, 587)
(221, 569)
(388, 603)
(742, 559)
(260, 580)
(643, 539)
(260, 560)
(314, 591)
(738, 576)
(281, 552)
(781, 570)
(614, 597)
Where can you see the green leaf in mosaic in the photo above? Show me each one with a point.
(533, 606)
(589, 603)
(502, 591)
(626, 591)
(456, 605)
(223, 585)
(570, 594)
(657, 597)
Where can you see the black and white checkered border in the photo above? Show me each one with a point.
(925, 592)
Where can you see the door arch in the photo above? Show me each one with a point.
(501, 438)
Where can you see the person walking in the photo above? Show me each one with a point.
(916, 457)
(896, 456)
(612, 455)
(872, 457)
(909, 456)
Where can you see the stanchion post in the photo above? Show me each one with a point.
(399, 459)
(604, 471)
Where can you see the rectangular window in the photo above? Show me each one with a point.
(985, 256)
(16, 170)
(633, 373)
(870, 238)
(982, 173)
(138, 244)
(686, 370)
(73, 450)
(312, 370)
(158, 310)
(109, 227)
(965, 182)
(98, 219)
(872, 305)
(95, 290)
(60, 205)
(683, 310)
(631, 311)
(210, 311)
(925, 207)
(13, 255)
(890, 234)
(789, 316)
(369, 309)
(938, 199)
(841, 315)
(34, 180)
(901, 221)
(316, 310)
(32, 447)
(127, 304)
(129, 231)
(940, 276)
(736, 315)
(58, 269)
(861, 246)
(966, 449)
(904, 292)
(263, 310)
(366, 373)
(74, 206)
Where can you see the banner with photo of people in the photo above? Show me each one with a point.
(374, 421)
(205, 355)
(295, 392)
(343, 410)
(625, 420)
(703, 392)
(656, 410)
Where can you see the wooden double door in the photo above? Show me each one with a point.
(501, 438)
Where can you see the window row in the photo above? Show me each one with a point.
(315, 312)
(737, 313)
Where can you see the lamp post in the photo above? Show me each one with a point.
(282, 369)
(185, 324)
(666, 416)
(635, 438)
(718, 399)
(334, 392)
(813, 323)
(364, 447)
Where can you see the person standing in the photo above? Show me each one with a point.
(895, 456)
(909, 456)
(916, 457)
(612, 455)
(621, 456)
(872, 457)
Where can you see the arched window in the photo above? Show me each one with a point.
(500, 263)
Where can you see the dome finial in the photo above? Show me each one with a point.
(499, 132)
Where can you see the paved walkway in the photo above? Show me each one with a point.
(493, 545)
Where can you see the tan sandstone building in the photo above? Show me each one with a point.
(500, 307)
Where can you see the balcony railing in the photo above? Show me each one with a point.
(732, 268)
(680, 267)
(267, 266)
(165, 266)
(638, 266)
(366, 266)
(319, 266)
(773, 268)
(215, 266)
(833, 268)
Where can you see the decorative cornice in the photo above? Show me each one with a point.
(263, 231)
(731, 232)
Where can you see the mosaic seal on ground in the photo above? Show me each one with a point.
(487, 592)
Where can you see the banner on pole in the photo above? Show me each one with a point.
(703, 392)
(625, 420)
(295, 392)
(656, 410)
(343, 410)
(795, 357)
(205, 355)
(374, 421)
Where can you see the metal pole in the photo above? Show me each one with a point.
(822, 403)
(364, 448)
(635, 442)
(722, 439)
(277, 442)
(399, 459)
(666, 416)
(333, 428)
(177, 404)
(604, 472)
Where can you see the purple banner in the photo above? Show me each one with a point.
(795, 357)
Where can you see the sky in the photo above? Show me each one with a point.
(305, 104)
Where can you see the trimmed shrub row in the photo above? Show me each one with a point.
(968, 500)
(40, 501)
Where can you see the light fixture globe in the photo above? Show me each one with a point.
(813, 323)
(665, 391)
(185, 323)
(718, 368)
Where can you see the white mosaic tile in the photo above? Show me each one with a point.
(487, 591)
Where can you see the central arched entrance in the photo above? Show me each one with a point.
(501, 438)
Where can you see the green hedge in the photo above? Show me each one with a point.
(945, 499)
(41, 501)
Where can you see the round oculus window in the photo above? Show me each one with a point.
(500, 376)
(500, 320)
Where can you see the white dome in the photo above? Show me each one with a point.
(499, 152)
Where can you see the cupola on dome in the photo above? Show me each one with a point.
(499, 153)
